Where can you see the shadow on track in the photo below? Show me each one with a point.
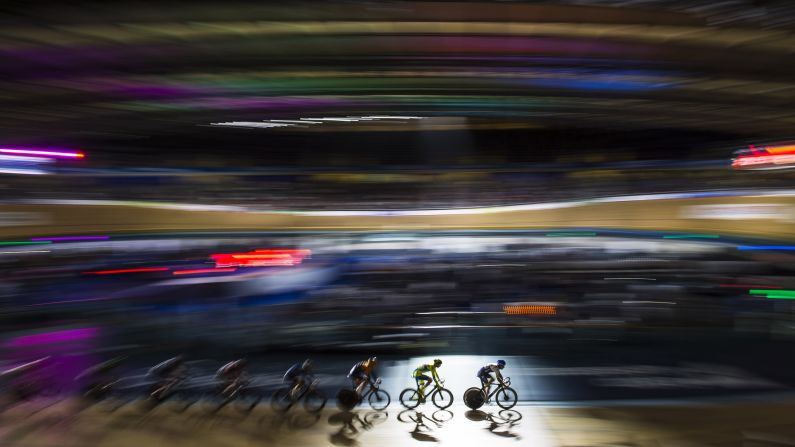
(353, 424)
(500, 424)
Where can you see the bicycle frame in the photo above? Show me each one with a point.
(500, 386)
(233, 389)
(378, 398)
(166, 389)
(436, 387)
(306, 390)
(370, 390)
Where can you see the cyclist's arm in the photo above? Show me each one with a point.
(435, 373)
(499, 376)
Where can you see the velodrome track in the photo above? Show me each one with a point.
(67, 423)
(768, 216)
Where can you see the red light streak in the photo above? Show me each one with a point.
(138, 270)
(196, 271)
(783, 154)
(753, 160)
(261, 258)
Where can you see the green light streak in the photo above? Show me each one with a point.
(774, 294)
(25, 242)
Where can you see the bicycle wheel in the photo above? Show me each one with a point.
(50, 391)
(510, 415)
(442, 398)
(181, 401)
(314, 401)
(347, 399)
(281, 401)
(303, 421)
(246, 400)
(442, 415)
(473, 398)
(379, 399)
(112, 403)
(506, 398)
(375, 417)
(410, 398)
(405, 416)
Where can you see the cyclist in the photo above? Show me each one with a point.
(27, 379)
(299, 375)
(169, 372)
(233, 374)
(486, 379)
(100, 377)
(363, 373)
(423, 380)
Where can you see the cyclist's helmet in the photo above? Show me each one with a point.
(307, 365)
(501, 363)
(437, 362)
(242, 363)
(373, 360)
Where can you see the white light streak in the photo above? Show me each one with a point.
(385, 117)
(648, 302)
(458, 313)
(301, 121)
(630, 279)
(25, 159)
(275, 123)
(332, 119)
(23, 252)
(22, 171)
(253, 124)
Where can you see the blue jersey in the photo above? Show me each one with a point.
(295, 372)
(360, 370)
(488, 369)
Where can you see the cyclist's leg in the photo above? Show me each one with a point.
(359, 382)
(228, 386)
(485, 381)
(294, 387)
(422, 383)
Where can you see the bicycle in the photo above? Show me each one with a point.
(170, 389)
(105, 394)
(378, 398)
(438, 417)
(31, 380)
(440, 396)
(504, 395)
(314, 399)
(241, 394)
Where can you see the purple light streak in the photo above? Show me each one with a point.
(48, 338)
(42, 152)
